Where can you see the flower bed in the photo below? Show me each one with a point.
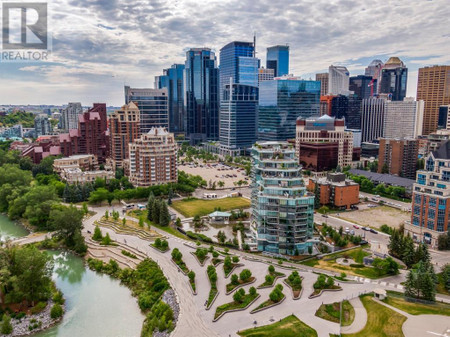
(182, 266)
(318, 292)
(216, 261)
(200, 259)
(213, 293)
(159, 249)
(269, 283)
(266, 305)
(230, 287)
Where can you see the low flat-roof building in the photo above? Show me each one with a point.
(85, 162)
(82, 168)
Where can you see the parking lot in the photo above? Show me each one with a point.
(217, 172)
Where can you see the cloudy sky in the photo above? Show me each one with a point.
(100, 45)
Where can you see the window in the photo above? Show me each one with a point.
(431, 213)
(430, 224)
(432, 202)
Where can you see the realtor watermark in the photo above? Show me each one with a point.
(25, 34)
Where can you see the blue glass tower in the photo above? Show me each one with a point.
(172, 79)
(237, 62)
(281, 102)
(278, 60)
(201, 83)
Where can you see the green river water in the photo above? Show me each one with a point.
(96, 304)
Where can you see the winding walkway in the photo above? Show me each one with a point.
(360, 317)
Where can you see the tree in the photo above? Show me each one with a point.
(252, 291)
(150, 203)
(385, 169)
(164, 217)
(420, 282)
(7, 328)
(269, 279)
(408, 254)
(422, 253)
(164, 245)
(97, 234)
(191, 275)
(98, 196)
(235, 259)
(237, 297)
(156, 212)
(271, 269)
(85, 208)
(245, 275)
(234, 279)
(106, 240)
(124, 221)
(446, 276)
(177, 255)
(316, 196)
(444, 241)
(68, 223)
(170, 196)
(141, 221)
(178, 222)
(276, 295)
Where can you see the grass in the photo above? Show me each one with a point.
(357, 254)
(192, 283)
(137, 213)
(267, 303)
(231, 286)
(127, 253)
(400, 302)
(295, 289)
(228, 270)
(289, 326)
(215, 261)
(381, 321)
(182, 265)
(275, 275)
(192, 207)
(317, 291)
(331, 312)
(246, 300)
(160, 248)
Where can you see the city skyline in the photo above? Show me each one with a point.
(100, 46)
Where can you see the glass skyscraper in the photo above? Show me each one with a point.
(172, 79)
(282, 209)
(394, 76)
(281, 102)
(238, 118)
(201, 83)
(278, 60)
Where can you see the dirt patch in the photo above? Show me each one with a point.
(377, 216)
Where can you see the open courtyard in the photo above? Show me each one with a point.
(217, 173)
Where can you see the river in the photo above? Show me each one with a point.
(96, 304)
(10, 229)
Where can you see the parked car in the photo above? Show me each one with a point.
(373, 231)
(325, 216)
(352, 232)
(355, 226)
(347, 229)
(364, 228)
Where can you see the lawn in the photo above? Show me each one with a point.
(267, 303)
(381, 321)
(192, 207)
(246, 300)
(137, 213)
(398, 300)
(290, 326)
(331, 312)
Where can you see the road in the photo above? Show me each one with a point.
(405, 206)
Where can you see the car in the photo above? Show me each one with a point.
(352, 232)
(373, 231)
(355, 226)
(324, 215)
(347, 229)
(364, 228)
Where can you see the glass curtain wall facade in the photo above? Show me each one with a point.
(172, 79)
(278, 60)
(238, 118)
(281, 102)
(153, 105)
(201, 83)
(282, 209)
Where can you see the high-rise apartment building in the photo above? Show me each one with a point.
(403, 119)
(278, 60)
(202, 95)
(322, 143)
(282, 209)
(361, 86)
(265, 75)
(372, 118)
(281, 102)
(124, 128)
(238, 119)
(433, 86)
(238, 63)
(42, 125)
(323, 78)
(172, 79)
(431, 198)
(153, 105)
(338, 80)
(398, 157)
(69, 116)
(394, 76)
(153, 158)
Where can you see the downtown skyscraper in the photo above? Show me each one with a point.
(201, 80)
(394, 77)
(278, 60)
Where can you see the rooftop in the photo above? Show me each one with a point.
(388, 179)
(443, 152)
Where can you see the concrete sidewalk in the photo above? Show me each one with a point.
(360, 317)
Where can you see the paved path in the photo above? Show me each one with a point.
(360, 317)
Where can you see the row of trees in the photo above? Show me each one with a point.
(157, 211)
(402, 247)
(366, 185)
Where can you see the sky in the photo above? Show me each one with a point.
(100, 45)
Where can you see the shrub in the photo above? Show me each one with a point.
(357, 265)
(6, 325)
(97, 234)
(237, 297)
(38, 308)
(106, 240)
(234, 279)
(191, 275)
(158, 243)
(271, 269)
(215, 254)
(269, 279)
(58, 297)
(252, 291)
(235, 259)
(57, 311)
(176, 254)
(164, 245)
(245, 275)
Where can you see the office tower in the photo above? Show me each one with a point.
(265, 75)
(361, 86)
(69, 116)
(444, 117)
(153, 158)
(124, 128)
(322, 143)
(153, 105)
(202, 95)
(431, 198)
(42, 125)
(238, 119)
(394, 76)
(172, 79)
(278, 60)
(91, 136)
(238, 63)
(398, 157)
(338, 80)
(403, 119)
(433, 86)
(281, 102)
(372, 118)
(323, 78)
(282, 209)
(374, 71)
(347, 107)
